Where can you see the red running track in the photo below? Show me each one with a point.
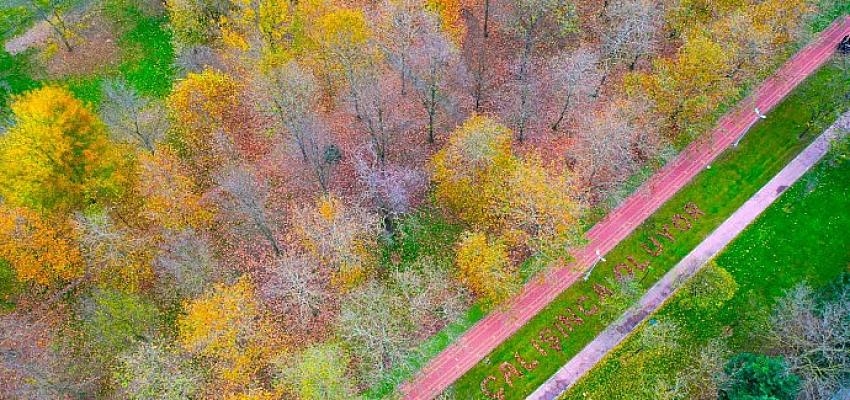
(497, 326)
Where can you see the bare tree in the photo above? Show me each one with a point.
(531, 21)
(292, 94)
(380, 329)
(132, 117)
(431, 59)
(814, 337)
(398, 30)
(185, 266)
(632, 33)
(383, 320)
(572, 78)
(245, 195)
(55, 14)
(391, 189)
(295, 287)
(375, 109)
(604, 152)
(196, 58)
(30, 368)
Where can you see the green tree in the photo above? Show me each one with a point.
(758, 377)
(153, 371)
(319, 374)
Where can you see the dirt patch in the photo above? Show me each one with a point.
(94, 48)
(37, 36)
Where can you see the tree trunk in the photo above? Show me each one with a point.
(561, 114)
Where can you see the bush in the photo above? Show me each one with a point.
(758, 377)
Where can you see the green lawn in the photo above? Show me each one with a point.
(801, 238)
(733, 178)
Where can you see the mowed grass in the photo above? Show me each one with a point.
(803, 237)
(733, 178)
(147, 63)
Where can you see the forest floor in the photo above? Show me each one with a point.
(692, 263)
(799, 239)
(719, 191)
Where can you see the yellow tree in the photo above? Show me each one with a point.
(269, 29)
(472, 170)
(200, 105)
(783, 20)
(168, 195)
(40, 251)
(227, 327)
(686, 90)
(480, 180)
(484, 268)
(449, 13)
(543, 210)
(57, 156)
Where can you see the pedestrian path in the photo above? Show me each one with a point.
(713, 244)
(497, 326)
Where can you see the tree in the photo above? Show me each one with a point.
(532, 21)
(227, 327)
(709, 289)
(169, 195)
(295, 288)
(131, 117)
(43, 251)
(319, 373)
(54, 12)
(378, 327)
(544, 212)
(431, 58)
(633, 29)
(685, 91)
(245, 196)
(611, 145)
(112, 321)
(293, 99)
(115, 257)
(391, 189)
(339, 236)
(195, 22)
(348, 50)
(812, 332)
(266, 30)
(153, 370)
(758, 376)
(572, 77)
(200, 105)
(58, 157)
(31, 365)
(470, 172)
(484, 268)
(185, 265)
(398, 30)
(480, 180)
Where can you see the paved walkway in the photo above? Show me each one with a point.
(693, 262)
(493, 329)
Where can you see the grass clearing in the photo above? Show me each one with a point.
(734, 177)
(424, 233)
(800, 238)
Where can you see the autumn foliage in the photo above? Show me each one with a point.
(322, 186)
